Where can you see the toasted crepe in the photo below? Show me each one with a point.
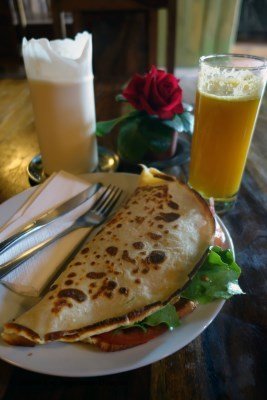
(140, 261)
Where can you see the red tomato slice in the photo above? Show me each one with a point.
(131, 336)
(126, 338)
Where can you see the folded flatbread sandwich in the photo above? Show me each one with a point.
(137, 264)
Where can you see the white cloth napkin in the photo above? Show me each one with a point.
(34, 274)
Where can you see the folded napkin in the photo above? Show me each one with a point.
(33, 275)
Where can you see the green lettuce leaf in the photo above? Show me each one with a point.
(167, 315)
(216, 279)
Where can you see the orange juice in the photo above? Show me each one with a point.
(223, 130)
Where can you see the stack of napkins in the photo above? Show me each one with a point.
(31, 277)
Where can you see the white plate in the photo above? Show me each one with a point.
(81, 360)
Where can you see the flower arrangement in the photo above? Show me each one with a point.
(149, 130)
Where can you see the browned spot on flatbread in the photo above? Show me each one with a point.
(173, 205)
(107, 286)
(126, 257)
(59, 304)
(96, 275)
(167, 217)
(145, 270)
(111, 285)
(112, 250)
(138, 245)
(137, 280)
(154, 236)
(124, 291)
(139, 219)
(74, 294)
(109, 295)
(156, 257)
(85, 250)
(71, 275)
(68, 282)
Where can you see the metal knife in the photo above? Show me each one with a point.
(50, 216)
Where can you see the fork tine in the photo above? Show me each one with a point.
(113, 201)
(105, 200)
(110, 197)
(101, 199)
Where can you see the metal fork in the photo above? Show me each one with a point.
(95, 216)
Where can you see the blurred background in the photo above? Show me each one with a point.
(129, 36)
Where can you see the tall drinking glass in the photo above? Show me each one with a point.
(61, 84)
(229, 93)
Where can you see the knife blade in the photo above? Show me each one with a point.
(49, 216)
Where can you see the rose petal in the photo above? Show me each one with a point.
(155, 99)
(145, 106)
(134, 89)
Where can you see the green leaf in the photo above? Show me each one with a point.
(181, 122)
(166, 315)
(105, 127)
(131, 144)
(216, 279)
(188, 121)
(176, 123)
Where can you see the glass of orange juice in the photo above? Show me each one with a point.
(229, 93)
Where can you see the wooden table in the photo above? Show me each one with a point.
(227, 360)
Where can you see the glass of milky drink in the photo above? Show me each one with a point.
(61, 85)
(229, 93)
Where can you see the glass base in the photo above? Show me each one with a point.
(108, 161)
(221, 205)
(224, 205)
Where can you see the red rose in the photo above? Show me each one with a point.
(157, 93)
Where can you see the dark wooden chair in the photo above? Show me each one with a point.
(149, 8)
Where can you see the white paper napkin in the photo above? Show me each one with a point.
(33, 275)
(64, 60)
